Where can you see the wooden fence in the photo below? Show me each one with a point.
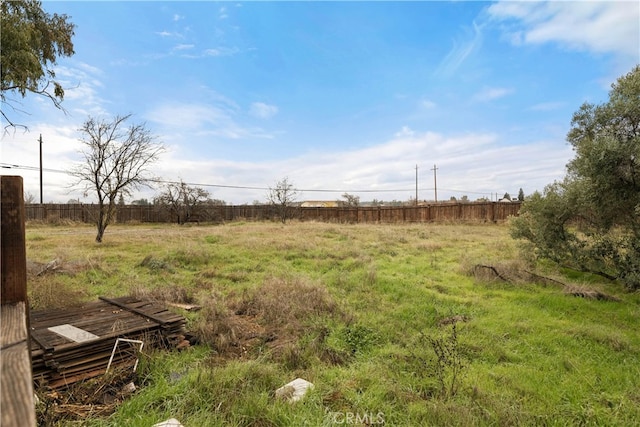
(440, 213)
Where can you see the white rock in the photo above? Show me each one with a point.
(295, 390)
(171, 422)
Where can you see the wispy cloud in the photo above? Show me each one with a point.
(198, 120)
(547, 106)
(491, 93)
(82, 83)
(460, 51)
(183, 47)
(262, 110)
(221, 51)
(428, 104)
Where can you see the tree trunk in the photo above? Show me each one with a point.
(101, 223)
(100, 234)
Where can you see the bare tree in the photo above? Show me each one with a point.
(283, 197)
(183, 200)
(29, 198)
(117, 159)
(351, 200)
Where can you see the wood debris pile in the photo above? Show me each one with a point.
(73, 344)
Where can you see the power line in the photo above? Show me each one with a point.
(242, 187)
(246, 187)
(29, 168)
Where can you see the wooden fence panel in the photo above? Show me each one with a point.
(442, 212)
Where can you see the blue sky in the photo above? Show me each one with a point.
(340, 96)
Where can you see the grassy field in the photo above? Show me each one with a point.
(406, 325)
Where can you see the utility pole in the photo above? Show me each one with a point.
(435, 182)
(41, 202)
(416, 185)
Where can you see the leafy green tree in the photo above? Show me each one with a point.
(591, 220)
(521, 195)
(31, 41)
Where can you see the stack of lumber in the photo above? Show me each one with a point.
(73, 344)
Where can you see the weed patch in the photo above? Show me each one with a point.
(439, 357)
(155, 264)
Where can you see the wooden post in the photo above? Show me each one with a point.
(16, 381)
(13, 260)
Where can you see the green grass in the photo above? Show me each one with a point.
(375, 297)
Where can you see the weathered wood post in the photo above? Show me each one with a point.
(16, 383)
(13, 262)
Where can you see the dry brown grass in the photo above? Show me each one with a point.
(164, 294)
(287, 304)
(96, 397)
(46, 285)
(588, 293)
(271, 318)
(223, 330)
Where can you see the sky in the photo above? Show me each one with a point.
(365, 98)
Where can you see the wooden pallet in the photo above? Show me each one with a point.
(58, 361)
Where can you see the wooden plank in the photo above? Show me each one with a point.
(16, 386)
(186, 307)
(134, 310)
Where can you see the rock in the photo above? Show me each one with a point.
(171, 422)
(128, 389)
(295, 390)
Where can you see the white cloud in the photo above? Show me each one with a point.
(428, 104)
(59, 154)
(596, 26)
(405, 132)
(221, 51)
(177, 17)
(491, 93)
(186, 123)
(547, 106)
(262, 110)
(475, 164)
(191, 117)
(183, 47)
(460, 51)
(82, 83)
